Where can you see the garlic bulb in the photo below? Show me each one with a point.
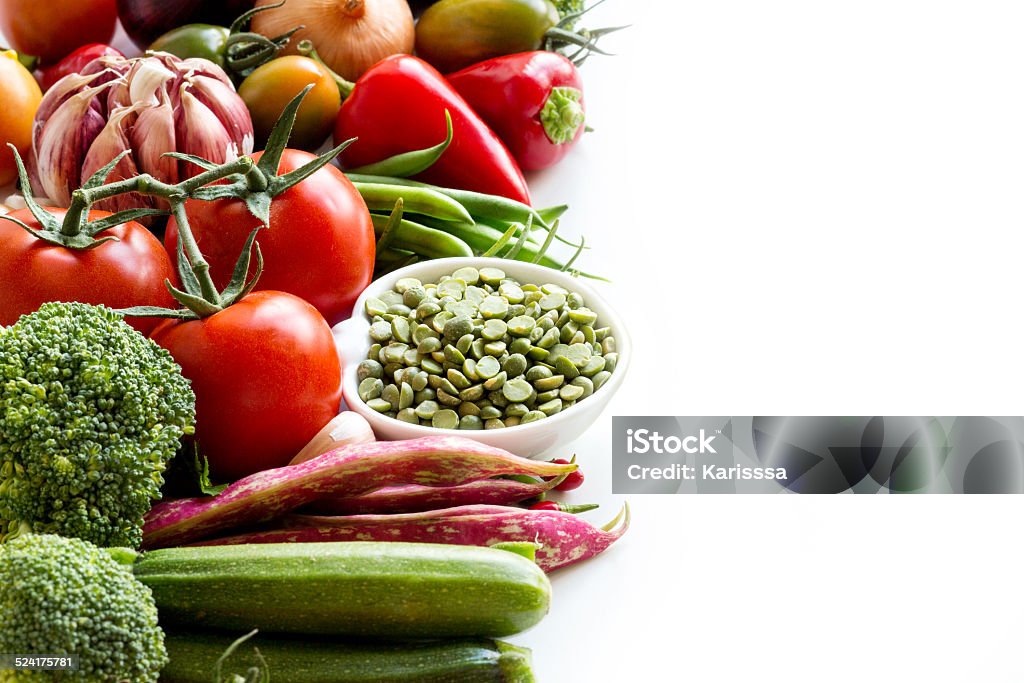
(148, 105)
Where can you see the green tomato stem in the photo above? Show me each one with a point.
(146, 184)
(305, 48)
(200, 267)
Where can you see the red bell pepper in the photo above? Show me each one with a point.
(532, 100)
(398, 106)
(74, 63)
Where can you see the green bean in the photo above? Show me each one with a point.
(478, 204)
(410, 163)
(423, 240)
(552, 213)
(498, 224)
(418, 200)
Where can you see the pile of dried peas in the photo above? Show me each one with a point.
(479, 350)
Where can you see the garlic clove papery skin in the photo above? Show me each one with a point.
(234, 116)
(111, 141)
(151, 136)
(200, 132)
(150, 106)
(64, 141)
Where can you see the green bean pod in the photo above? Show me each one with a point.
(410, 163)
(482, 237)
(423, 240)
(478, 204)
(420, 200)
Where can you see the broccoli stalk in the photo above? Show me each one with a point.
(64, 596)
(90, 414)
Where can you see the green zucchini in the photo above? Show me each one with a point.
(193, 659)
(392, 591)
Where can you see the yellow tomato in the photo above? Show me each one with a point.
(20, 101)
(270, 87)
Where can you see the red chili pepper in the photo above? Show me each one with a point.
(532, 100)
(573, 481)
(562, 507)
(74, 63)
(398, 106)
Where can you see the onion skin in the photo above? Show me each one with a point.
(349, 35)
(146, 20)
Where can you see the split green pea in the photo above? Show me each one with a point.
(479, 350)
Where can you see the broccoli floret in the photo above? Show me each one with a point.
(90, 413)
(566, 7)
(64, 596)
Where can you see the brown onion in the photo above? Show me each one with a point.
(349, 35)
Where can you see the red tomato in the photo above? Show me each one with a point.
(51, 30)
(75, 62)
(266, 376)
(129, 271)
(320, 245)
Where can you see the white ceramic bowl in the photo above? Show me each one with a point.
(543, 437)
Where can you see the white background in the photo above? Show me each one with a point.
(807, 208)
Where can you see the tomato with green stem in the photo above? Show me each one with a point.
(320, 245)
(128, 270)
(266, 375)
(103, 258)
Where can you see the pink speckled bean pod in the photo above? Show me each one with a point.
(563, 538)
(347, 471)
(396, 499)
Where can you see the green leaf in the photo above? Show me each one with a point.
(99, 177)
(281, 183)
(47, 220)
(256, 276)
(157, 312)
(185, 272)
(278, 139)
(259, 206)
(212, 193)
(202, 163)
(48, 237)
(207, 487)
(126, 216)
(197, 304)
(233, 291)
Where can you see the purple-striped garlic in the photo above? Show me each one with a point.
(149, 105)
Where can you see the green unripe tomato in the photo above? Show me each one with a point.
(452, 34)
(194, 40)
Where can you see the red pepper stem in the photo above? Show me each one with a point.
(306, 48)
(562, 115)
